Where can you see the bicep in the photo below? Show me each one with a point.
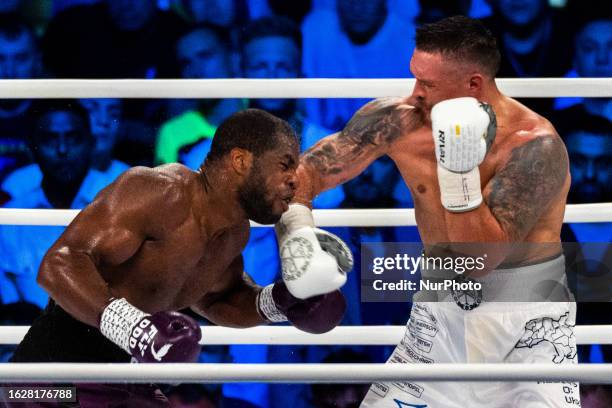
(367, 136)
(521, 191)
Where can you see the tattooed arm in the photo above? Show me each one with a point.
(517, 196)
(344, 155)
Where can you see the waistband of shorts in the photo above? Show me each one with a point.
(541, 282)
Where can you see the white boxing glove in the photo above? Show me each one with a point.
(314, 262)
(463, 131)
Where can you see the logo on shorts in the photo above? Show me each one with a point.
(402, 404)
(466, 299)
(558, 332)
(296, 255)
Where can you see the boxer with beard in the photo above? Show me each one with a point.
(163, 239)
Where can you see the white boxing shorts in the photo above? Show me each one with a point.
(474, 329)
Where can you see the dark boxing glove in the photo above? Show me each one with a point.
(318, 314)
(168, 337)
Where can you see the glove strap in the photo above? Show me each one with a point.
(459, 192)
(297, 216)
(117, 321)
(267, 307)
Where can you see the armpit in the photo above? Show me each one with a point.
(523, 189)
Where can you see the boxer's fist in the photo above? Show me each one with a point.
(168, 337)
(463, 132)
(161, 337)
(314, 262)
(318, 314)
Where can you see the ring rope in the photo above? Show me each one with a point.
(279, 88)
(302, 373)
(390, 217)
(342, 335)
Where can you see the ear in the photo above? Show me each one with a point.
(241, 161)
(475, 83)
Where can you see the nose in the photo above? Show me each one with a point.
(62, 146)
(590, 171)
(418, 93)
(292, 181)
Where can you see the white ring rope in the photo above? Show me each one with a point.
(279, 88)
(342, 335)
(302, 373)
(390, 217)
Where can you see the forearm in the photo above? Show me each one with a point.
(310, 184)
(476, 233)
(478, 226)
(237, 309)
(72, 280)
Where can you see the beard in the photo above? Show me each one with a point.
(252, 199)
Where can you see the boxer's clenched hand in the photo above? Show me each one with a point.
(318, 314)
(168, 337)
(463, 132)
(314, 262)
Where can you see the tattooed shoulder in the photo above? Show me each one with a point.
(365, 137)
(381, 121)
(535, 172)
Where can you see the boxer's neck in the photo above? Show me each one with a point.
(219, 195)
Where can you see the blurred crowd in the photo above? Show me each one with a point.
(61, 153)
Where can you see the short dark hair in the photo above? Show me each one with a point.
(272, 27)
(41, 107)
(254, 130)
(462, 38)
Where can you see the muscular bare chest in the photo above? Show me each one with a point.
(178, 270)
(415, 158)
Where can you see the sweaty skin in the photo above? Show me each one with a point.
(165, 238)
(524, 177)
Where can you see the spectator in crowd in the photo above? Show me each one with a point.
(202, 52)
(340, 395)
(61, 144)
(105, 120)
(533, 39)
(117, 39)
(112, 39)
(15, 314)
(19, 59)
(589, 146)
(592, 58)
(361, 39)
